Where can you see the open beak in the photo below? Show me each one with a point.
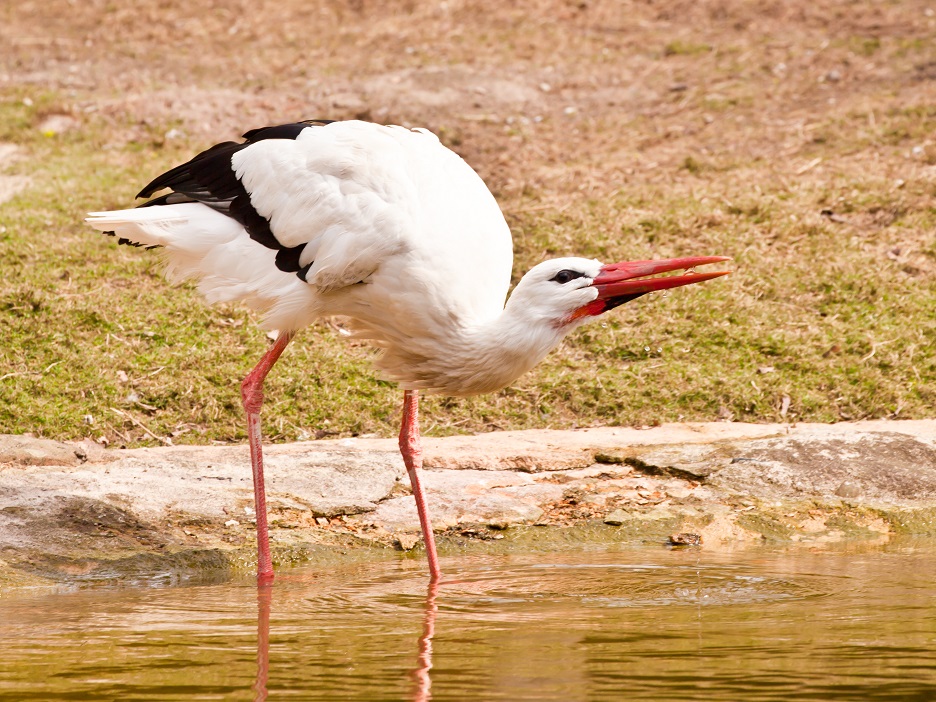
(622, 282)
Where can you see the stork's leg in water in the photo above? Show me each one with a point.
(411, 448)
(252, 396)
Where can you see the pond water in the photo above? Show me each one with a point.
(853, 622)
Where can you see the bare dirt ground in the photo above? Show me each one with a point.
(564, 99)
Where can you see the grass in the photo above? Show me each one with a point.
(828, 212)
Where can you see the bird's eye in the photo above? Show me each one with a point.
(565, 275)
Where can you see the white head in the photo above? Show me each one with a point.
(564, 292)
(552, 293)
(557, 296)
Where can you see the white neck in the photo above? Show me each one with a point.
(478, 359)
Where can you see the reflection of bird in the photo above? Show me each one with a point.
(389, 228)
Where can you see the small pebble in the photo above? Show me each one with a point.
(848, 489)
(685, 539)
(407, 541)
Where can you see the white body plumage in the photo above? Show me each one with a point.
(400, 235)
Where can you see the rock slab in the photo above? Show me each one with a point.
(75, 510)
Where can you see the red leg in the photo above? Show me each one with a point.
(411, 449)
(252, 396)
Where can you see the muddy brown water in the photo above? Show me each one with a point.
(849, 622)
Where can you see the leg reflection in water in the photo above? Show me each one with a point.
(421, 673)
(264, 599)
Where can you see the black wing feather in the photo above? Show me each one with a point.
(284, 131)
(209, 178)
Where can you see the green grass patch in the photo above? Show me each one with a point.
(679, 47)
(821, 320)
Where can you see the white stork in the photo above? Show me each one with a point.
(387, 227)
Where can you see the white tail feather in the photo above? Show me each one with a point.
(215, 250)
(150, 226)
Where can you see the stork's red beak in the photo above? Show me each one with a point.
(618, 283)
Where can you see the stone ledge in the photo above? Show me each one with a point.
(74, 510)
